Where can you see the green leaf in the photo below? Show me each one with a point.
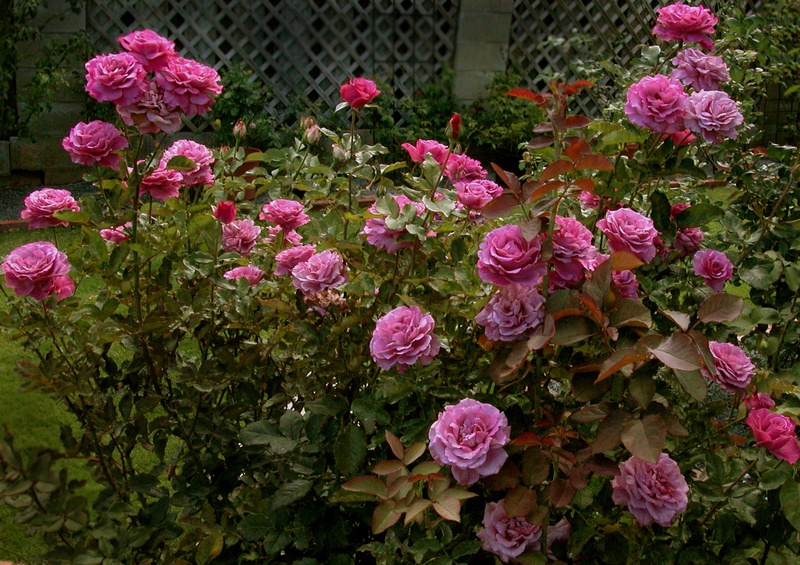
(416, 508)
(790, 503)
(720, 307)
(572, 329)
(72, 217)
(629, 312)
(384, 517)
(291, 424)
(642, 389)
(698, 215)
(209, 547)
(645, 438)
(253, 527)
(350, 449)
(290, 492)
(693, 383)
(367, 485)
(448, 508)
(181, 163)
(660, 212)
(757, 276)
(776, 477)
(258, 433)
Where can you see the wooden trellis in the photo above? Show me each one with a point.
(304, 49)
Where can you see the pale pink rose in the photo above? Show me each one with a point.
(40, 205)
(224, 211)
(470, 436)
(358, 92)
(150, 113)
(384, 238)
(513, 313)
(96, 142)
(734, 368)
(189, 85)
(288, 259)
(508, 538)
(403, 337)
(714, 115)
(290, 237)
(240, 236)
(775, 432)
(505, 257)
(714, 267)
(161, 183)
(203, 159)
(477, 193)
(461, 168)
(653, 492)
(658, 103)
(116, 234)
(700, 70)
(758, 400)
(320, 272)
(626, 283)
(690, 24)
(253, 275)
(38, 270)
(117, 78)
(631, 232)
(151, 50)
(288, 214)
(424, 147)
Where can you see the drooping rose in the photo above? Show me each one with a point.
(424, 147)
(189, 85)
(358, 92)
(653, 492)
(508, 538)
(96, 142)
(384, 238)
(758, 400)
(626, 283)
(461, 168)
(252, 274)
(505, 257)
(288, 259)
(320, 272)
(151, 50)
(161, 184)
(201, 173)
(714, 115)
(240, 236)
(469, 436)
(40, 205)
(658, 103)
(151, 113)
(224, 211)
(690, 24)
(734, 368)
(116, 234)
(775, 432)
(288, 214)
(117, 78)
(631, 232)
(513, 313)
(478, 193)
(700, 70)
(403, 337)
(714, 267)
(38, 270)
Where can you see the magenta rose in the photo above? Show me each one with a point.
(688, 240)
(151, 50)
(631, 232)
(288, 259)
(252, 274)
(477, 193)
(423, 147)
(658, 103)
(758, 400)
(470, 436)
(505, 257)
(733, 366)
(514, 313)
(700, 70)
(626, 283)
(775, 432)
(402, 337)
(508, 538)
(384, 238)
(714, 115)
(117, 78)
(461, 168)
(40, 205)
(690, 24)
(189, 85)
(653, 492)
(320, 272)
(96, 142)
(358, 92)
(714, 267)
(224, 211)
(151, 113)
(116, 234)
(203, 159)
(680, 138)
(573, 252)
(288, 214)
(290, 237)
(38, 270)
(162, 184)
(240, 236)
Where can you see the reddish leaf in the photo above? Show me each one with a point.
(540, 99)
(500, 206)
(619, 359)
(388, 467)
(701, 342)
(396, 445)
(624, 261)
(720, 307)
(595, 163)
(584, 184)
(677, 352)
(448, 508)
(693, 383)
(384, 517)
(543, 334)
(603, 465)
(590, 413)
(609, 431)
(535, 467)
(645, 438)
(540, 142)
(561, 493)
(678, 318)
(591, 305)
(629, 312)
(577, 150)
(507, 478)
(544, 188)
(530, 438)
(578, 122)
(366, 485)
(519, 501)
(555, 169)
(416, 508)
(576, 86)
(507, 177)
(505, 364)
(400, 486)
(573, 329)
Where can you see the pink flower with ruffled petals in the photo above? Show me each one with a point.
(508, 538)
(505, 257)
(161, 184)
(758, 400)
(658, 103)
(690, 24)
(116, 234)
(150, 113)
(734, 368)
(700, 70)
(573, 252)
(38, 270)
(290, 237)
(653, 492)
(40, 205)
(461, 168)
(477, 193)
(189, 85)
(714, 115)
(424, 147)
(117, 78)
(151, 50)
(358, 92)
(97, 142)
(714, 267)
(631, 232)
(240, 236)
(513, 313)
(201, 173)
(626, 283)
(776, 432)
(320, 272)
(403, 337)
(253, 275)
(288, 214)
(288, 259)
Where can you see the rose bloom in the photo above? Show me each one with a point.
(688, 240)
(470, 436)
(505, 257)
(631, 232)
(700, 70)
(514, 313)
(734, 368)
(116, 234)
(758, 400)
(654, 492)
(290, 237)
(252, 274)
(117, 78)
(40, 205)
(508, 538)
(240, 236)
(690, 24)
(382, 237)
(573, 252)
(189, 85)
(626, 284)
(658, 103)
(478, 193)
(714, 267)
(320, 272)
(224, 211)
(680, 138)
(460, 168)
(358, 92)
(151, 113)
(96, 142)
(38, 270)
(424, 147)
(775, 432)
(402, 337)
(288, 259)
(151, 50)
(201, 155)
(287, 214)
(161, 183)
(713, 114)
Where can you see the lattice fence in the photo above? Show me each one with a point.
(304, 49)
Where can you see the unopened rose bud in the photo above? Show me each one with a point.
(453, 127)
(312, 134)
(308, 122)
(225, 211)
(239, 130)
(338, 153)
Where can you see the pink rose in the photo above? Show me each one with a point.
(150, 113)
(505, 257)
(626, 283)
(477, 193)
(224, 211)
(690, 24)
(758, 400)
(658, 103)
(117, 78)
(358, 92)
(320, 272)
(631, 232)
(508, 538)
(253, 275)
(290, 237)
(288, 214)
(38, 270)
(189, 85)
(288, 259)
(713, 114)
(151, 50)
(513, 313)
(688, 240)
(384, 238)
(573, 252)
(96, 142)
(680, 138)
(470, 437)
(733, 366)
(775, 432)
(402, 337)
(161, 183)
(116, 234)
(201, 155)
(700, 70)
(460, 168)
(424, 147)
(714, 267)
(240, 236)
(40, 205)
(654, 492)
